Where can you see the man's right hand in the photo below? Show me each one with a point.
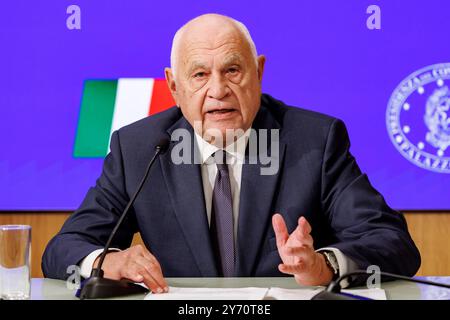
(136, 264)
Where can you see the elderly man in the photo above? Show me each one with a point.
(315, 218)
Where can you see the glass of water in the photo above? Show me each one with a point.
(15, 253)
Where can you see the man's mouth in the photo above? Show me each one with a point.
(220, 111)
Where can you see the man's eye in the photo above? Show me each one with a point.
(199, 75)
(233, 70)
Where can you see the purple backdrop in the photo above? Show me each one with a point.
(320, 55)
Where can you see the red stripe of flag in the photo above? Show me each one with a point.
(161, 97)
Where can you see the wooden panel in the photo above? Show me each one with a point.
(430, 231)
(43, 227)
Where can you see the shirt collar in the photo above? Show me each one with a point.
(235, 149)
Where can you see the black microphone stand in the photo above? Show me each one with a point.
(96, 286)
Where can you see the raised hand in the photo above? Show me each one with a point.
(297, 253)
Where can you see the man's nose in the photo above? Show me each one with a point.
(218, 88)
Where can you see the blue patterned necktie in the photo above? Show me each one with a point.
(222, 236)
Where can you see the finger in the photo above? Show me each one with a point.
(138, 273)
(153, 259)
(132, 272)
(154, 271)
(304, 239)
(157, 274)
(294, 269)
(304, 225)
(150, 282)
(281, 232)
(302, 232)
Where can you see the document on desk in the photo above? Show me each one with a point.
(178, 293)
(253, 293)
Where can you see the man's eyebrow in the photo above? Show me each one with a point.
(233, 59)
(196, 65)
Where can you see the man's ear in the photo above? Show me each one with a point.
(171, 83)
(261, 60)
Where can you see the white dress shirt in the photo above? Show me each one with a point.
(235, 158)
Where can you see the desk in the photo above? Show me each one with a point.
(50, 289)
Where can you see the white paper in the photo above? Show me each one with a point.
(292, 294)
(253, 293)
(178, 293)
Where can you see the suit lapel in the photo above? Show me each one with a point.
(184, 183)
(255, 205)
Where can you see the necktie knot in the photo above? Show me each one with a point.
(220, 157)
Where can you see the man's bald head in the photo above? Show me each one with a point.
(206, 28)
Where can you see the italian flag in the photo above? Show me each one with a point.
(108, 105)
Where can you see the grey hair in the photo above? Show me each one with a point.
(239, 25)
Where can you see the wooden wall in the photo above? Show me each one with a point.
(430, 231)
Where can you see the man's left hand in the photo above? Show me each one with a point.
(297, 253)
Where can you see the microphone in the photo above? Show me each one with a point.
(333, 291)
(96, 286)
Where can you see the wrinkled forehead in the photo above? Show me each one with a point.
(226, 43)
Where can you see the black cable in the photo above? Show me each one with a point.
(335, 286)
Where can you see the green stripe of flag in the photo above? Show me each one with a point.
(94, 126)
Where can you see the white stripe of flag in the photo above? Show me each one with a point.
(133, 100)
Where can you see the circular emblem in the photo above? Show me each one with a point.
(418, 118)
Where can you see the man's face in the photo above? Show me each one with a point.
(217, 80)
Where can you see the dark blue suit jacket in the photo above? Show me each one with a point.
(318, 178)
